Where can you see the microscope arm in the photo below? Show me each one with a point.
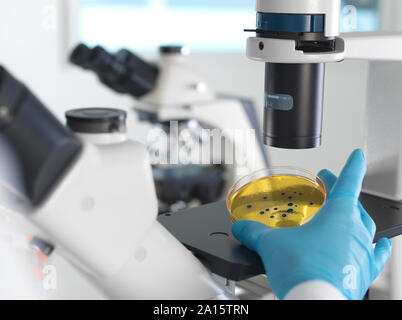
(98, 204)
(108, 227)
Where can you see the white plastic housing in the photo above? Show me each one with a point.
(331, 9)
(102, 216)
(384, 134)
(103, 207)
(103, 138)
(383, 139)
(177, 86)
(161, 268)
(373, 46)
(284, 51)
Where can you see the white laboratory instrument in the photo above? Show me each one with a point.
(96, 201)
(294, 39)
(185, 119)
(94, 195)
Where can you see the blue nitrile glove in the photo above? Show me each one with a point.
(336, 246)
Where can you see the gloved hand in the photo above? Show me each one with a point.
(336, 246)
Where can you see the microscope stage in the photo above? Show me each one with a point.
(206, 231)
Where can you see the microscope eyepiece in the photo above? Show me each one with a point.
(81, 56)
(123, 72)
(105, 64)
(44, 147)
(96, 120)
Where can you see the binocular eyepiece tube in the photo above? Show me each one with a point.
(45, 149)
(123, 72)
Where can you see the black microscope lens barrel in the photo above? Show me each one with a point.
(81, 56)
(293, 105)
(123, 72)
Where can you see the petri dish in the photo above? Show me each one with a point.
(280, 197)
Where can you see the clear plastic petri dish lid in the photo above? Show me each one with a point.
(278, 197)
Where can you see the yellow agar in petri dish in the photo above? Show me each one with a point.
(279, 201)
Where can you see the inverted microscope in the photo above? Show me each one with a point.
(81, 193)
(294, 39)
(173, 100)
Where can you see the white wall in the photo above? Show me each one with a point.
(32, 46)
(390, 11)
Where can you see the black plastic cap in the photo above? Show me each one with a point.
(96, 120)
(44, 147)
(172, 49)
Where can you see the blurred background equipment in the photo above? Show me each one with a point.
(180, 107)
(97, 202)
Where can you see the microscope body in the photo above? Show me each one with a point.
(102, 218)
(102, 212)
(383, 142)
(276, 47)
(182, 95)
(175, 101)
(68, 210)
(291, 37)
(93, 198)
(177, 85)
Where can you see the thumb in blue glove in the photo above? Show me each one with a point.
(336, 246)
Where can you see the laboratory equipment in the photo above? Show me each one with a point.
(180, 107)
(370, 80)
(98, 179)
(295, 39)
(277, 197)
(97, 202)
(124, 72)
(289, 124)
